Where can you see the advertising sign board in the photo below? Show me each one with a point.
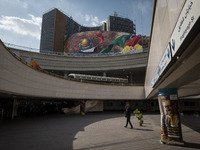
(188, 17)
(162, 65)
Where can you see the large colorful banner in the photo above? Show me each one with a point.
(170, 119)
(103, 42)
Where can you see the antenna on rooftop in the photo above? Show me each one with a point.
(141, 22)
(115, 14)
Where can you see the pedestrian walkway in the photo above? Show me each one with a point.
(95, 131)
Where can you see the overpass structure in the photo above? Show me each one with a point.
(132, 65)
(19, 79)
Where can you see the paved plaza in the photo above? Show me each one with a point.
(94, 131)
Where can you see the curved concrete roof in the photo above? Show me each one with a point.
(17, 78)
(103, 63)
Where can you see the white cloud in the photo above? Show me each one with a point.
(31, 27)
(36, 20)
(87, 17)
(93, 20)
(103, 21)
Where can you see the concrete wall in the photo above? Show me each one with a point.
(94, 106)
(164, 20)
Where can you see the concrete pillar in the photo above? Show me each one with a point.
(15, 106)
(148, 105)
(131, 79)
(171, 132)
(82, 107)
(104, 74)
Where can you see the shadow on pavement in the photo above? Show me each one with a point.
(191, 122)
(192, 145)
(143, 129)
(45, 132)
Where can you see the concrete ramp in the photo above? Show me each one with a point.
(90, 106)
(17, 78)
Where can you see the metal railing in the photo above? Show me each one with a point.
(9, 45)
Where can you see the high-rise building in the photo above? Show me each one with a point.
(116, 23)
(56, 25)
(53, 31)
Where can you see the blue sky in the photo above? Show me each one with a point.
(20, 20)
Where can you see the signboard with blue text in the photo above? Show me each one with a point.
(163, 64)
(165, 59)
(188, 17)
(155, 77)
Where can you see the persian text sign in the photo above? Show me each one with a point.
(162, 65)
(165, 59)
(155, 77)
(188, 17)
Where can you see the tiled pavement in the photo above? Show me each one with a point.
(98, 131)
